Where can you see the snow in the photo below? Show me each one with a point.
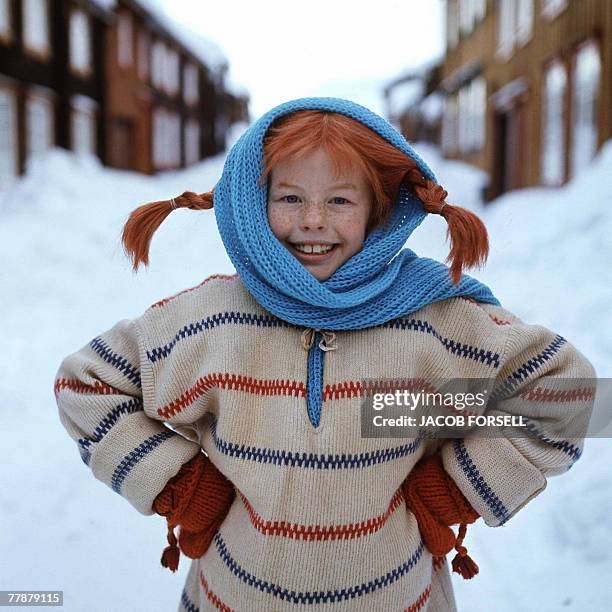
(204, 49)
(64, 280)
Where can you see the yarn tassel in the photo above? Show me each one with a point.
(463, 564)
(170, 556)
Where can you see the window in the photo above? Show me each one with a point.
(143, 54)
(80, 42)
(505, 27)
(553, 133)
(524, 24)
(587, 74)
(471, 115)
(192, 142)
(6, 30)
(171, 71)
(552, 8)
(470, 13)
(166, 139)
(8, 136)
(39, 124)
(157, 64)
(124, 39)
(449, 125)
(452, 24)
(83, 126)
(36, 26)
(190, 83)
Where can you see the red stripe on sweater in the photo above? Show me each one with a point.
(214, 599)
(235, 382)
(296, 531)
(98, 388)
(492, 317)
(421, 601)
(209, 278)
(538, 394)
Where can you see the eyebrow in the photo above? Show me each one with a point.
(338, 186)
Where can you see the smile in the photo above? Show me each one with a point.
(313, 248)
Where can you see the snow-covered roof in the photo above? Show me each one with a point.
(202, 48)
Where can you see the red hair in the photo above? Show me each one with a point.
(349, 143)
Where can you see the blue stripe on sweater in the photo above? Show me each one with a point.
(315, 597)
(133, 457)
(498, 509)
(221, 318)
(509, 385)
(562, 445)
(311, 460)
(187, 603)
(117, 361)
(110, 419)
(457, 348)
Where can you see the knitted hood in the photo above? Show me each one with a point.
(379, 283)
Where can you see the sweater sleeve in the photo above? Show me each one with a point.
(99, 392)
(548, 382)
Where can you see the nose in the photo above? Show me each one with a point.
(314, 216)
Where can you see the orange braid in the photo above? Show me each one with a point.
(144, 221)
(466, 232)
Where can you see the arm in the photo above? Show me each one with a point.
(551, 384)
(101, 391)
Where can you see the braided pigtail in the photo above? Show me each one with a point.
(144, 221)
(469, 243)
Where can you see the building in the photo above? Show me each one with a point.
(51, 79)
(114, 78)
(414, 103)
(527, 88)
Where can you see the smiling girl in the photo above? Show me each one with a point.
(291, 508)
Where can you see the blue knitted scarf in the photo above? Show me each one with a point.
(379, 283)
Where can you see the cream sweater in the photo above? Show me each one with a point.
(318, 522)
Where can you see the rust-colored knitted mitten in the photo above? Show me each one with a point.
(437, 503)
(196, 500)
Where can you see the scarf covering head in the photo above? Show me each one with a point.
(379, 283)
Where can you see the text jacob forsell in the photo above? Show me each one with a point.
(456, 401)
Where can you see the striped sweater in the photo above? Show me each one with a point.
(318, 522)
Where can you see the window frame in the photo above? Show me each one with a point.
(592, 43)
(84, 106)
(41, 53)
(11, 90)
(549, 66)
(143, 56)
(7, 35)
(553, 8)
(125, 39)
(48, 100)
(83, 71)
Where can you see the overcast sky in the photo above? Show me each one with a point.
(282, 50)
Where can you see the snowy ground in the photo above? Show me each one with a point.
(64, 279)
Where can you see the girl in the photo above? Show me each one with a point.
(291, 508)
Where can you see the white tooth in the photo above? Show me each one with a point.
(317, 249)
(307, 248)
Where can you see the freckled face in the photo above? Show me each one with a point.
(318, 216)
